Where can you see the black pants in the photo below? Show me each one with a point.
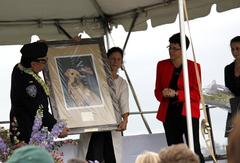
(176, 127)
(101, 147)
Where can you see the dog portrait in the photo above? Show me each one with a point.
(80, 85)
(79, 81)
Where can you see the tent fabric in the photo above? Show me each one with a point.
(19, 20)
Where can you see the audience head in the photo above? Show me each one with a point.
(31, 154)
(179, 153)
(234, 141)
(176, 39)
(148, 157)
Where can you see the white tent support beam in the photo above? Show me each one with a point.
(185, 74)
(107, 39)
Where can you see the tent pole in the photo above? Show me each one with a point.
(185, 74)
(128, 79)
(130, 30)
(63, 30)
(102, 14)
(107, 36)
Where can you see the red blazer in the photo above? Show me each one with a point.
(165, 70)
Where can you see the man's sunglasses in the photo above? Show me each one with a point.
(43, 61)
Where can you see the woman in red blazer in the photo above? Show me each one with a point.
(169, 91)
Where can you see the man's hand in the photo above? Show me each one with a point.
(64, 133)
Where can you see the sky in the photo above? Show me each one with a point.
(211, 36)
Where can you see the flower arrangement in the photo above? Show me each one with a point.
(40, 136)
(4, 149)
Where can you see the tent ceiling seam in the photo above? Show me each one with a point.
(103, 16)
(142, 9)
(50, 21)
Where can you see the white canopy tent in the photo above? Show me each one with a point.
(19, 20)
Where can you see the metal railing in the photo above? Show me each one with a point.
(207, 158)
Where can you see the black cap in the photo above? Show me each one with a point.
(33, 51)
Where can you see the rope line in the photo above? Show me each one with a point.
(205, 127)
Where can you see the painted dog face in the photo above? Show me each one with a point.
(72, 74)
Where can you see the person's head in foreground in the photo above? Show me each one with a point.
(179, 153)
(234, 142)
(148, 157)
(31, 154)
(34, 56)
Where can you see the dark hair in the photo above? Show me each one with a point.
(176, 39)
(235, 39)
(33, 51)
(114, 49)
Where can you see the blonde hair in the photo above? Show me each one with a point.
(148, 157)
(179, 153)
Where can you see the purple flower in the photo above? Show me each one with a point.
(3, 148)
(57, 129)
(41, 136)
(37, 121)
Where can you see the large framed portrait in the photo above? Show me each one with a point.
(79, 79)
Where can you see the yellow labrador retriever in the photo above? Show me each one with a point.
(80, 93)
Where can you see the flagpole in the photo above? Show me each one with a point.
(185, 74)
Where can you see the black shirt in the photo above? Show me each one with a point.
(174, 107)
(231, 81)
